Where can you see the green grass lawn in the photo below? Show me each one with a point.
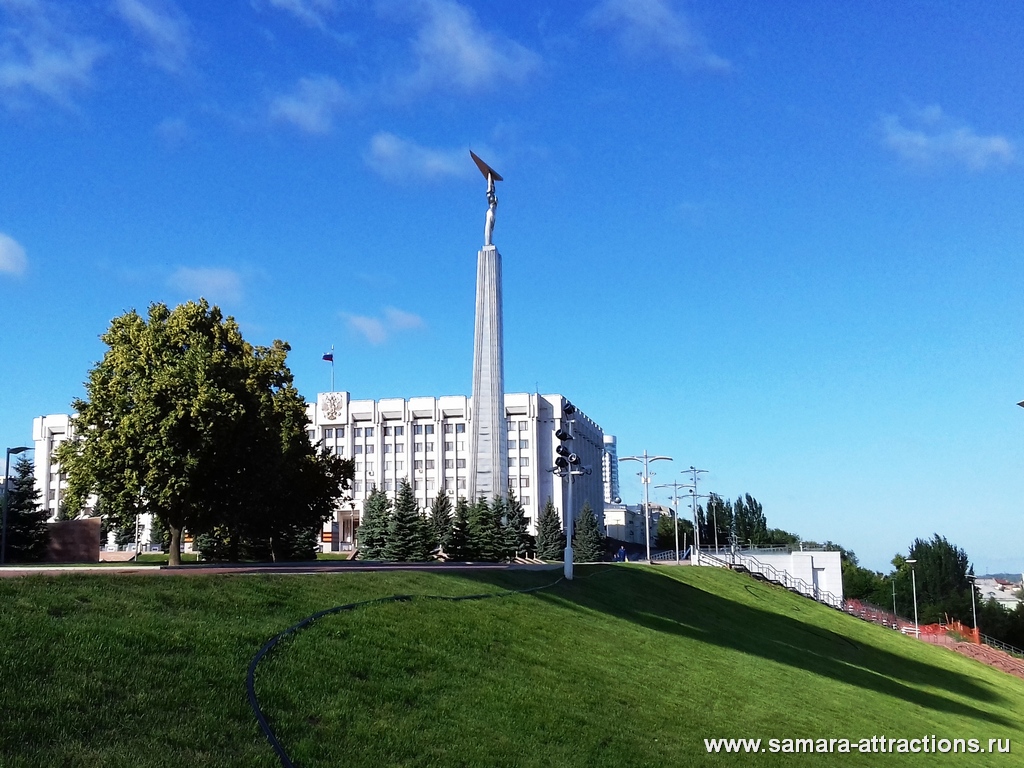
(631, 666)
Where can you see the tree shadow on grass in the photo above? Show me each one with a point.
(664, 604)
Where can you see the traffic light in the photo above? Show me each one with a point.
(565, 459)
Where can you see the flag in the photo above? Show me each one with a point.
(329, 357)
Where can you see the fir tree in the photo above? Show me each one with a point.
(441, 520)
(516, 533)
(550, 541)
(373, 531)
(587, 543)
(27, 532)
(428, 538)
(405, 537)
(460, 532)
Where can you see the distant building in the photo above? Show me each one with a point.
(610, 471)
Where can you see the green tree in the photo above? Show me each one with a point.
(184, 414)
(428, 537)
(459, 542)
(550, 539)
(441, 520)
(373, 529)
(27, 531)
(943, 589)
(405, 535)
(516, 532)
(483, 534)
(588, 542)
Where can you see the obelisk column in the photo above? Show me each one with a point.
(488, 448)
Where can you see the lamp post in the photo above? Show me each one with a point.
(7, 485)
(696, 526)
(645, 478)
(974, 610)
(913, 580)
(675, 501)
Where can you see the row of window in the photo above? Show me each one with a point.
(418, 429)
(398, 448)
(513, 444)
(519, 482)
(512, 426)
(522, 462)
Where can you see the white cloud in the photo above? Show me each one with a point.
(453, 51)
(934, 139)
(162, 25)
(12, 256)
(398, 159)
(38, 55)
(311, 105)
(313, 13)
(378, 330)
(208, 282)
(653, 28)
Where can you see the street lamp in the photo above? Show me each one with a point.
(7, 484)
(645, 478)
(913, 579)
(675, 501)
(974, 611)
(696, 525)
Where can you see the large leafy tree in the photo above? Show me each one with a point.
(373, 529)
(588, 543)
(550, 539)
(27, 532)
(185, 418)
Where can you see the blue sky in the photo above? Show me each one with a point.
(777, 241)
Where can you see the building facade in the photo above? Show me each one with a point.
(426, 441)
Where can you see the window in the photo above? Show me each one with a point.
(389, 485)
(328, 432)
(511, 461)
(462, 483)
(399, 447)
(400, 465)
(462, 445)
(369, 449)
(460, 428)
(369, 430)
(357, 449)
(449, 428)
(513, 482)
(418, 464)
(524, 482)
(522, 425)
(449, 463)
(526, 502)
(511, 445)
(524, 462)
(510, 424)
(387, 465)
(357, 486)
(430, 485)
(359, 466)
(387, 448)
(524, 443)
(399, 431)
(417, 447)
(340, 431)
(449, 446)
(460, 464)
(430, 463)
(341, 450)
(310, 434)
(448, 484)
(417, 429)
(357, 431)
(430, 447)
(388, 431)
(417, 485)
(430, 429)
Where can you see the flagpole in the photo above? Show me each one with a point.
(332, 367)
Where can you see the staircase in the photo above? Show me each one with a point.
(769, 574)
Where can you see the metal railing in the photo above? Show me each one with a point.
(1010, 649)
(771, 574)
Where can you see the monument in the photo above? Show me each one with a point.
(488, 448)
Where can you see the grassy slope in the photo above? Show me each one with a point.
(628, 667)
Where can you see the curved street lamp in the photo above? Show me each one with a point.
(7, 484)
(645, 478)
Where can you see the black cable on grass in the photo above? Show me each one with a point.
(250, 681)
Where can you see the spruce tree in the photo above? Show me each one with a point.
(373, 530)
(405, 539)
(441, 520)
(27, 532)
(460, 532)
(427, 538)
(516, 532)
(550, 541)
(587, 543)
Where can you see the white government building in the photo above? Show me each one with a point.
(422, 439)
